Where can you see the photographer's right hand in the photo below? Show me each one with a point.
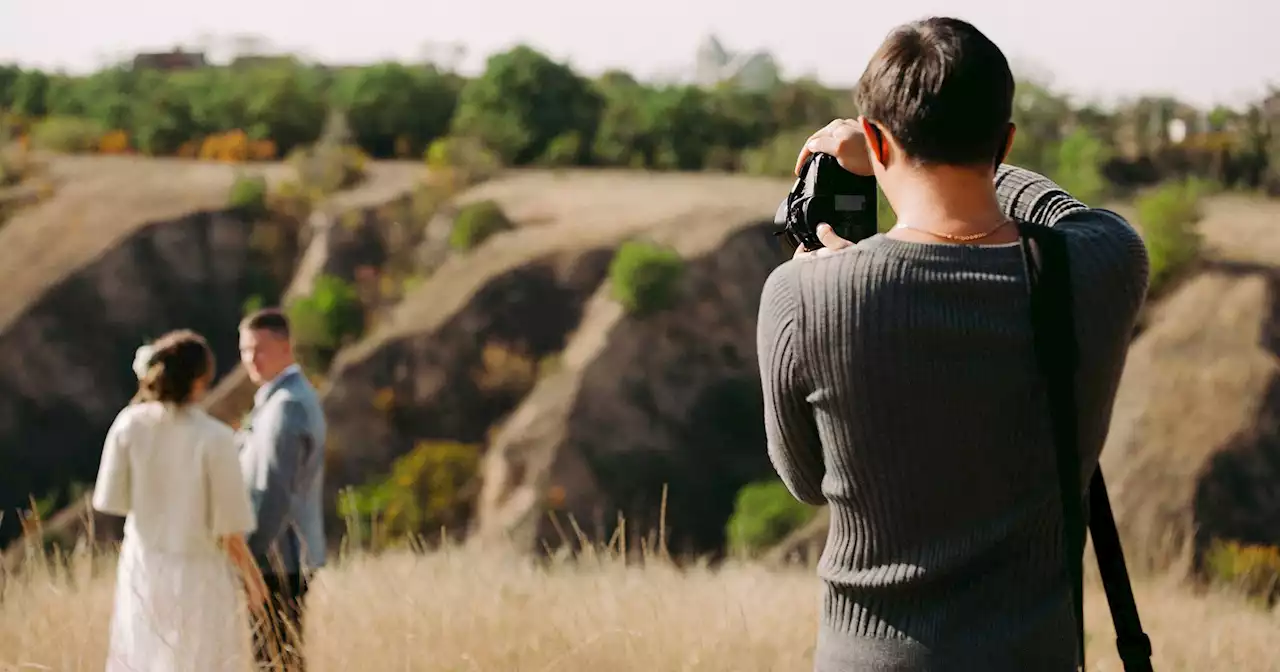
(831, 242)
(843, 139)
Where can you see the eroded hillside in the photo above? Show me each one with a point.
(126, 249)
(504, 328)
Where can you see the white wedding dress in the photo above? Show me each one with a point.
(174, 473)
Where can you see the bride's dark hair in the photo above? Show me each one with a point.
(178, 360)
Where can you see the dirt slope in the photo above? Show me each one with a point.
(125, 249)
(466, 347)
(1194, 450)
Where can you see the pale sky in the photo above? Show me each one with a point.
(1204, 52)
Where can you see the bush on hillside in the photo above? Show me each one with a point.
(1168, 216)
(115, 142)
(463, 160)
(476, 222)
(15, 164)
(326, 168)
(71, 135)
(332, 164)
(563, 150)
(1252, 570)
(645, 277)
(248, 193)
(323, 321)
(763, 515)
(430, 488)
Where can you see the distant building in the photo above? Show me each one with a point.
(171, 60)
(752, 71)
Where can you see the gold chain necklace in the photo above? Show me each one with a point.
(949, 236)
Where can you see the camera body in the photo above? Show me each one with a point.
(826, 193)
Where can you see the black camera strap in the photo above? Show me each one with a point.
(1053, 329)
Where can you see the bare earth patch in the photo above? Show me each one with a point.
(462, 611)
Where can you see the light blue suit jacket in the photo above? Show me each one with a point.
(282, 458)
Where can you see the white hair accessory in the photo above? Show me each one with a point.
(142, 360)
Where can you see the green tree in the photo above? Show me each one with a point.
(165, 122)
(1079, 166)
(1041, 116)
(522, 102)
(30, 93)
(389, 103)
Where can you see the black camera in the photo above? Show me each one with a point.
(826, 193)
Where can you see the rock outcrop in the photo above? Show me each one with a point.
(377, 224)
(523, 326)
(638, 404)
(64, 361)
(1194, 450)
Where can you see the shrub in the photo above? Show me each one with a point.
(1080, 158)
(15, 164)
(563, 150)
(505, 369)
(1168, 216)
(248, 193)
(777, 157)
(262, 150)
(429, 488)
(645, 276)
(66, 134)
(333, 163)
(1253, 570)
(230, 147)
(326, 168)
(325, 320)
(462, 160)
(114, 142)
(763, 515)
(476, 222)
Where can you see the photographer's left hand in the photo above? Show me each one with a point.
(830, 243)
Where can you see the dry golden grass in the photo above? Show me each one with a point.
(461, 610)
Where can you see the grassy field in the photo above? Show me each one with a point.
(460, 610)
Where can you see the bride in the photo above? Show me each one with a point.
(173, 471)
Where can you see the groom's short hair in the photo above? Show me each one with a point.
(267, 319)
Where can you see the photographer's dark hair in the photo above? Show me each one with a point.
(178, 361)
(943, 90)
(267, 319)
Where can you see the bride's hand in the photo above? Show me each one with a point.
(255, 590)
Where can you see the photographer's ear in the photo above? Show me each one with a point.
(877, 146)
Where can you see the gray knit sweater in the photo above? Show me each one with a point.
(901, 390)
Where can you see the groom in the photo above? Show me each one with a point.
(282, 458)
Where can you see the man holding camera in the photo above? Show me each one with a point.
(901, 386)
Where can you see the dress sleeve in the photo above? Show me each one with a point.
(112, 493)
(229, 508)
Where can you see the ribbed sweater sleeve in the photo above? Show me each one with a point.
(900, 389)
(1031, 197)
(794, 446)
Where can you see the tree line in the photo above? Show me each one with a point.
(529, 109)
